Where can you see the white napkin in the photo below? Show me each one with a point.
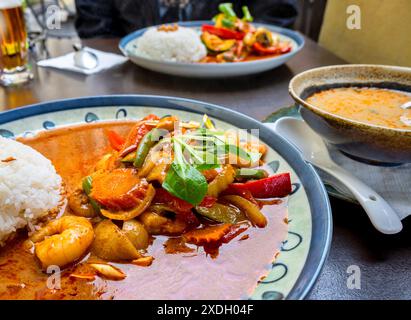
(106, 61)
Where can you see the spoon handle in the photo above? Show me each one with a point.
(381, 214)
(77, 47)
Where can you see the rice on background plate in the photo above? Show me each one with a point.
(177, 45)
(29, 187)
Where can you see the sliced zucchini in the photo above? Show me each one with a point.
(129, 158)
(215, 43)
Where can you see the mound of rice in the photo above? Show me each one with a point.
(181, 45)
(29, 187)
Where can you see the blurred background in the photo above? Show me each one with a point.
(383, 36)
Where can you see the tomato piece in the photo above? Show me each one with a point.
(235, 230)
(271, 50)
(265, 50)
(276, 186)
(182, 207)
(285, 49)
(189, 218)
(136, 134)
(163, 196)
(222, 32)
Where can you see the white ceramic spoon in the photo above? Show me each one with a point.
(83, 58)
(403, 118)
(314, 150)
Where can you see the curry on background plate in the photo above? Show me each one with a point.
(232, 39)
(229, 39)
(147, 204)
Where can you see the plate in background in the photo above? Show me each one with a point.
(212, 70)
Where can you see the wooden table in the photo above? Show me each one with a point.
(384, 260)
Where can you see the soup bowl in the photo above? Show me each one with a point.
(371, 143)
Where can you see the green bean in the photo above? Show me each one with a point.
(227, 23)
(227, 9)
(247, 15)
(87, 186)
(148, 141)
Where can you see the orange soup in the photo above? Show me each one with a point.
(375, 106)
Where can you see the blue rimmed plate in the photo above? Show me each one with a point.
(212, 70)
(303, 253)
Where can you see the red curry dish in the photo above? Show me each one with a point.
(161, 186)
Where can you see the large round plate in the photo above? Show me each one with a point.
(212, 70)
(304, 251)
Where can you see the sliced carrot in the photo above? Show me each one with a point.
(207, 235)
(163, 196)
(235, 230)
(210, 174)
(136, 211)
(120, 189)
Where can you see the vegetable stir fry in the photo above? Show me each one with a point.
(234, 39)
(186, 180)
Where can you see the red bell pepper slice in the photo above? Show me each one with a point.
(181, 207)
(116, 141)
(276, 186)
(136, 134)
(208, 202)
(271, 50)
(223, 32)
(285, 49)
(163, 196)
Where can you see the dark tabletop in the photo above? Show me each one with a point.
(383, 260)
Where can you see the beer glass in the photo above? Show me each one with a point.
(13, 44)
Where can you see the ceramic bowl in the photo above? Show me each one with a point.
(365, 142)
(303, 252)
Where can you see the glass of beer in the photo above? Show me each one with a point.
(13, 44)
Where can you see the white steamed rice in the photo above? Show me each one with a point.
(29, 187)
(182, 45)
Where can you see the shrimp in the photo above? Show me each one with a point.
(63, 241)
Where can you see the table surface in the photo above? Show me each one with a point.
(383, 260)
